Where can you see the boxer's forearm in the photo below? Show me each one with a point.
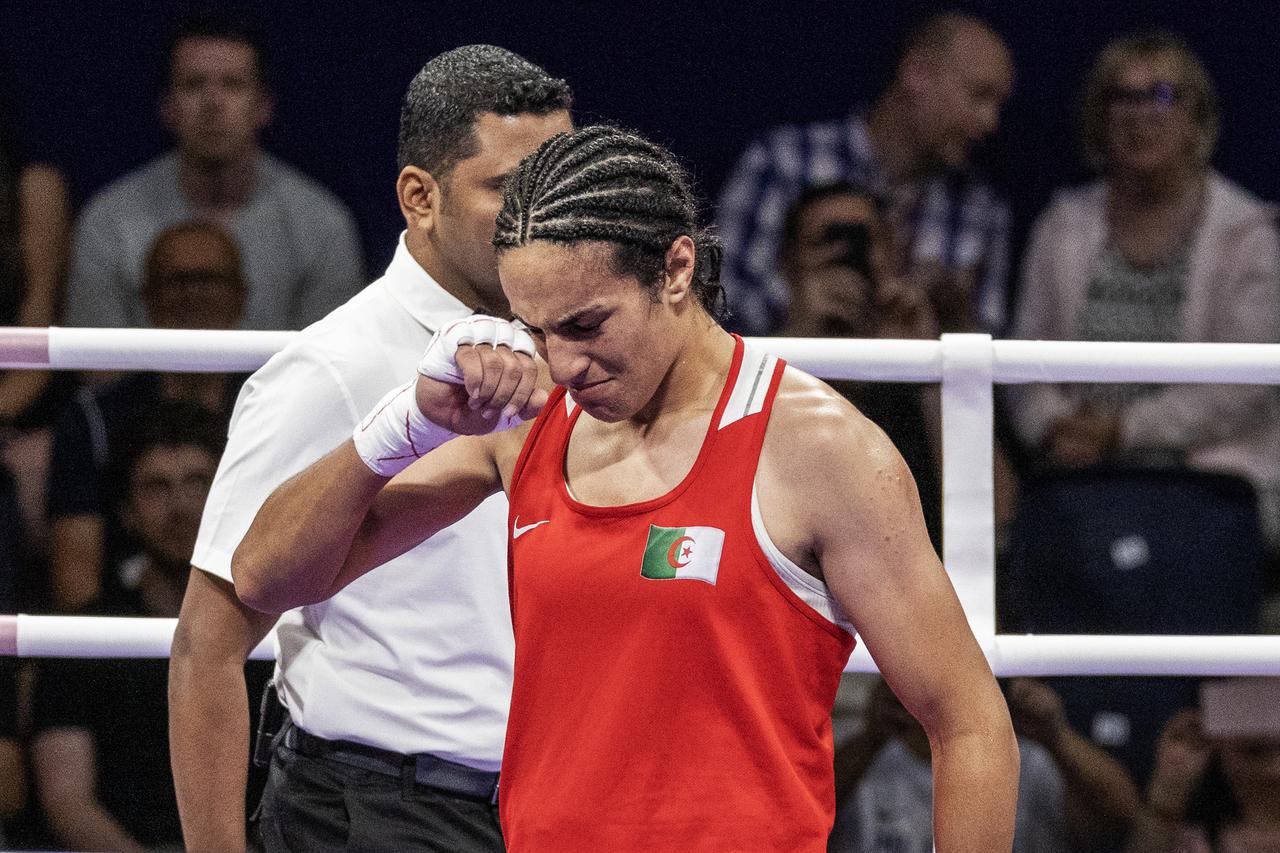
(976, 789)
(298, 542)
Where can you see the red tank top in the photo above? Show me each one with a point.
(672, 692)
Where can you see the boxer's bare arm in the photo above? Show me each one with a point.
(337, 520)
(838, 499)
(430, 495)
(303, 547)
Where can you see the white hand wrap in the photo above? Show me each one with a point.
(396, 432)
(438, 361)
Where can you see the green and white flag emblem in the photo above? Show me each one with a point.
(683, 552)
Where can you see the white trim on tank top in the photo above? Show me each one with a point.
(809, 589)
(750, 387)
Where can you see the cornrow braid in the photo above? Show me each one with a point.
(602, 183)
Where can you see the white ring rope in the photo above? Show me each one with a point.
(200, 351)
(1010, 655)
(24, 635)
(966, 365)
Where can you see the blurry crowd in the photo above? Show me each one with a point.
(1121, 508)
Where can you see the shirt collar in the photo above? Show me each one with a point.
(419, 293)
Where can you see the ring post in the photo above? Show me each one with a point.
(968, 490)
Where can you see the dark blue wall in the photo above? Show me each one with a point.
(701, 77)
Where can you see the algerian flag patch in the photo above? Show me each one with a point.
(683, 552)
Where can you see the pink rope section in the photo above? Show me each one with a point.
(20, 347)
(8, 636)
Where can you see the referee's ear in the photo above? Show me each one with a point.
(420, 198)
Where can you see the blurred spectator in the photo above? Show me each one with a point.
(912, 148)
(1163, 248)
(1216, 785)
(193, 280)
(33, 249)
(100, 752)
(834, 258)
(1072, 796)
(301, 257)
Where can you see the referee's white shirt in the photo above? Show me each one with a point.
(416, 655)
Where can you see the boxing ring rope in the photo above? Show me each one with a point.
(967, 365)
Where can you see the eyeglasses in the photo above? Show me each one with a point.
(1163, 96)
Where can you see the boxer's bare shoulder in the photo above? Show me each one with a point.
(825, 465)
(812, 421)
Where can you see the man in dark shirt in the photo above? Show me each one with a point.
(100, 749)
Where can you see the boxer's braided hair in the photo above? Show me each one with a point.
(602, 183)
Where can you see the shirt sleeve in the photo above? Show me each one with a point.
(336, 271)
(1035, 406)
(290, 413)
(993, 287)
(98, 294)
(1247, 301)
(749, 222)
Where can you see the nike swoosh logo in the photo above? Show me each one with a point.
(517, 531)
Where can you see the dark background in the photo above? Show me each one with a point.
(702, 77)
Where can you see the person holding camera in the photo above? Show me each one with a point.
(1216, 783)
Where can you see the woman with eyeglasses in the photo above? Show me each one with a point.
(1161, 248)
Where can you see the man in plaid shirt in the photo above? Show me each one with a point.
(911, 149)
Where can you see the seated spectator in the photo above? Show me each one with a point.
(1072, 796)
(33, 249)
(100, 751)
(1216, 785)
(300, 251)
(834, 258)
(1162, 248)
(193, 280)
(912, 148)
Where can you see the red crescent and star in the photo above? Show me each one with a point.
(673, 559)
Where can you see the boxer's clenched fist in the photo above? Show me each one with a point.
(479, 375)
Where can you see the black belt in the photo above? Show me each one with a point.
(426, 770)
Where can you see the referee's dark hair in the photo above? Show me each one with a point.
(440, 108)
(602, 183)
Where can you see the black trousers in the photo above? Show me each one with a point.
(315, 805)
